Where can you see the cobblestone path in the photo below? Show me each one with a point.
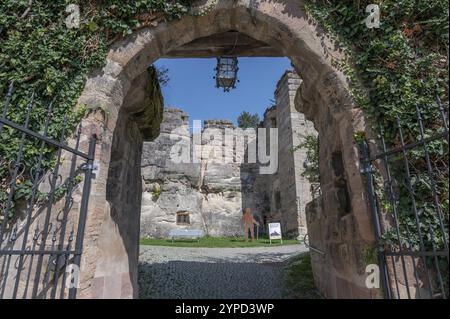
(179, 272)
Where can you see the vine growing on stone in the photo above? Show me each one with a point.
(311, 165)
(42, 56)
(391, 70)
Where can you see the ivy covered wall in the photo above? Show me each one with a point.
(43, 57)
(391, 69)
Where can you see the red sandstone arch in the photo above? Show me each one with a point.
(109, 265)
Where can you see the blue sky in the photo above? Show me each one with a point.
(192, 87)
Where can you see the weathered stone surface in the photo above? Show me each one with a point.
(210, 190)
(109, 257)
(147, 111)
(288, 183)
(216, 190)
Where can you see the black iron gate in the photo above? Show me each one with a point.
(407, 188)
(43, 208)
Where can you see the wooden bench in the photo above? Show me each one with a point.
(186, 233)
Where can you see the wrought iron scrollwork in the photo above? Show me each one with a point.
(412, 243)
(41, 228)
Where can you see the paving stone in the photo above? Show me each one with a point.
(217, 273)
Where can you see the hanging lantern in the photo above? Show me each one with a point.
(226, 73)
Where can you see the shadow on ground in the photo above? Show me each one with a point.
(198, 280)
(222, 279)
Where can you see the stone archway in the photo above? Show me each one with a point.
(340, 223)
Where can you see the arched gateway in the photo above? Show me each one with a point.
(339, 223)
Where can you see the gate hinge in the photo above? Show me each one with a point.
(87, 166)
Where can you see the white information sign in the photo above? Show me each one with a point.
(275, 231)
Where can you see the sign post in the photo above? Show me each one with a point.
(275, 232)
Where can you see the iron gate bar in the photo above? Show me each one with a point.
(67, 205)
(17, 164)
(411, 145)
(430, 175)
(397, 228)
(41, 137)
(436, 261)
(440, 253)
(61, 250)
(412, 198)
(66, 264)
(404, 246)
(436, 202)
(83, 210)
(442, 113)
(368, 170)
(32, 199)
(45, 231)
(35, 252)
(13, 185)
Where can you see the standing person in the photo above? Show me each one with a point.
(249, 221)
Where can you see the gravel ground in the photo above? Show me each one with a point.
(222, 273)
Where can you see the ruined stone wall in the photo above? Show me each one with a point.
(296, 127)
(287, 192)
(216, 184)
(212, 188)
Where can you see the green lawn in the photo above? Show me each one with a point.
(299, 280)
(216, 242)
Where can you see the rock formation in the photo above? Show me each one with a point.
(217, 179)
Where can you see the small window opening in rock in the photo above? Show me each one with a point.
(183, 218)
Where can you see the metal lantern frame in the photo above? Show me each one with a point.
(226, 72)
